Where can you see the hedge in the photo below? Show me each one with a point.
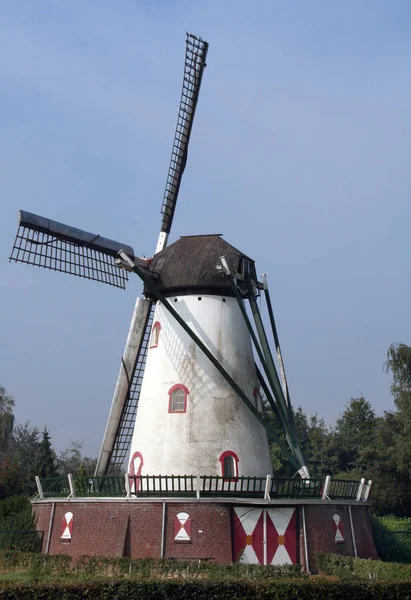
(202, 590)
(348, 567)
(389, 543)
(57, 566)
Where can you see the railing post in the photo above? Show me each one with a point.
(71, 485)
(360, 489)
(367, 490)
(267, 488)
(127, 485)
(198, 484)
(327, 484)
(39, 488)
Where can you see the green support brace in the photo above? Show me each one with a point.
(273, 372)
(278, 350)
(254, 339)
(280, 412)
(267, 392)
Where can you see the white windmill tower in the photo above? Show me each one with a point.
(188, 365)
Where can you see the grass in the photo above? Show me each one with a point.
(13, 576)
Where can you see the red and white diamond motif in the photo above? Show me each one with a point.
(265, 536)
(68, 521)
(338, 529)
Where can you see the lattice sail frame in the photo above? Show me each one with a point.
(196, 54)
(58, 247)
(124, 434)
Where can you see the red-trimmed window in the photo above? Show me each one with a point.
(177, 402)
(155, 334)
(229, 464)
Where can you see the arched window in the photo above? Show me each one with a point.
(177, 402)
(229, 464)
(155, 334)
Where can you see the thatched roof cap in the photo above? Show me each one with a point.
(190, 265)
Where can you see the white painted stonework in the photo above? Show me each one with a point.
(216, 420)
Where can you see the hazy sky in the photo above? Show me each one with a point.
(300, 156)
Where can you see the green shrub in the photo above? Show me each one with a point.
(392, 546)
(206, 590)
(15, 506)
(42, 566)
(17, 531)
(350, 568)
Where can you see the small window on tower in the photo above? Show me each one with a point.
(178, 399)
(155, 334)
(229, 465)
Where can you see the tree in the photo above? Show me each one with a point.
(391, 487)
(399, 363)
(45, 463)
(316, 440)
(23, 448)
(72, 461)
(24, 444)
(354, 430)
(10, 480)
(6, 418)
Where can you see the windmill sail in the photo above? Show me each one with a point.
(195, 62)
(120, 424)
(45, 243)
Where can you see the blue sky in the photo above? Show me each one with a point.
(300, 155)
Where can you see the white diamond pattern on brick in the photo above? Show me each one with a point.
(339, 538)
(67, 526)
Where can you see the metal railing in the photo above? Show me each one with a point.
(249, 487)
(296, 488)
(206, 486)
(55, 487)
(344, 489)
(146, 486)
(104, 486)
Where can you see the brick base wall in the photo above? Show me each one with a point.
(363, 532)
(131, 529)
(321, 532)
(118, 528)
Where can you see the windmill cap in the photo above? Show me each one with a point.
(192, 265)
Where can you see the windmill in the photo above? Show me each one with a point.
(188, 365)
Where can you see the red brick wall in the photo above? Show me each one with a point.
(131, 529)
(363, 532)
(321, 533)
(210, 532)
(42, 515)
(104, 529)
(134, 529)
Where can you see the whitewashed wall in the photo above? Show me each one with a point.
(216, 419)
